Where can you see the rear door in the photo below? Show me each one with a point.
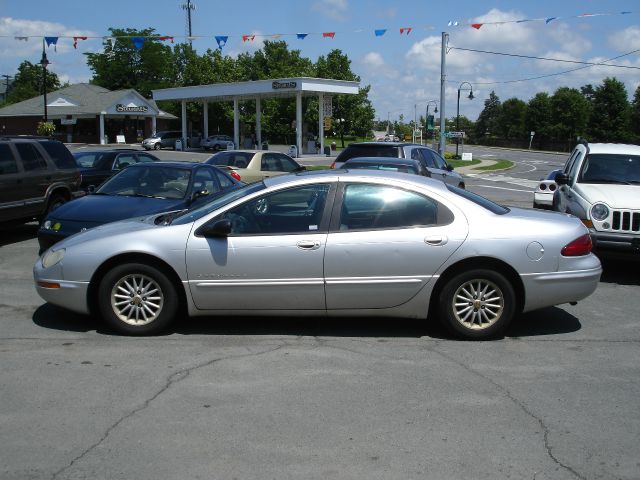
(11, 183)
(385, 244)
(38, 175)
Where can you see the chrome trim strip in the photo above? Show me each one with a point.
(377, 280)
(266, 282)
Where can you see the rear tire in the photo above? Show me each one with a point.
(137, 299)
(54, 202)
(478, 304)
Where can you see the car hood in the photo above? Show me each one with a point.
(615, 196)
(110, 208)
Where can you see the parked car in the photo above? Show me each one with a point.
(437, 166)
(255, 165)
(600, 184)
(36, 176)
(333, 242)
(98, 165)
(162, 140)
(141, 189)
(543, 194)
(403, 165)
(218, 142)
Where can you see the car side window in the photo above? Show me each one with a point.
(141, 157)
(428, 157)
(124, 160)
(60, 154)
(204, 179)
(288, 164)
(378, 207)
(31, 158)
(271, 163)
(571, 161)
(440, 162)
(292, 211)
(225, 182)
(8, 163)
(573, 169)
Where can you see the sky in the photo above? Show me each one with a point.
(403, 69)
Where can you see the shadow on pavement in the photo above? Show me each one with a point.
(17, 233)
(549, 321)
(620, 271)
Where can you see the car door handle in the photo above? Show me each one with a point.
(308, 245)
(436, 240)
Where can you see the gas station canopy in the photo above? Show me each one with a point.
(297, 87)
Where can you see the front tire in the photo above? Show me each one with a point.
(137, 299)
(478, 304)
(156, 146)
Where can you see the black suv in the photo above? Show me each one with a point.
(436, 166)
(36, 175)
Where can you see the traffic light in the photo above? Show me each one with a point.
(430, 122)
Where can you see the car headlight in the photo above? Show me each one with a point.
(52, 225)
(599, 211)
(52, 257)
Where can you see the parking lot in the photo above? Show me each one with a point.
(557, 398)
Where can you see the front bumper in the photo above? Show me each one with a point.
(69, 295)
(615, 242)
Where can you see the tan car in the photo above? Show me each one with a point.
(255, 165)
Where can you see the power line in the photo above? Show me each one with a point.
(586, 65)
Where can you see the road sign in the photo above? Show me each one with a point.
(454, 134)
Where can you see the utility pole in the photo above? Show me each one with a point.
(6, 90)
(188, 7)
(443, 77)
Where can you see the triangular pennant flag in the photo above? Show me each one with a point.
(453, 23)
(52, 41)
(328, 34)
(75, 41)
(222, 40)
(165, 38)
(246, 38)
(406, 30)
(301, 36)
(22, 38)
(381, 32)
(550, 19)
(524, 20)
(138, 42)
(586, 15)
(276, 36)
(477, 25)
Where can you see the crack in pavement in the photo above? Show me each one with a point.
(520, 405)
(174, 378)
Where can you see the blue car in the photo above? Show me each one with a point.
(139, 190)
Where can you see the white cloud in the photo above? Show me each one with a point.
(626, 40)
(373, 60)
(334, 9)
(568, 40)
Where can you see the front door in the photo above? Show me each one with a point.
(273, 258)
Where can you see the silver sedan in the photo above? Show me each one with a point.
(327, 243)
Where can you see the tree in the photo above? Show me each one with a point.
(611, 112)
(538, 118)
(487, 123)
(28, 82)
(570, 114)
(121, 65)
(511, 121)
(635, 115)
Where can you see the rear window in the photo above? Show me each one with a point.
(31, 157)
(60, 154)
(353, 151)
(231, 159)
(479, 200)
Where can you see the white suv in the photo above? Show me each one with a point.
(600, 184)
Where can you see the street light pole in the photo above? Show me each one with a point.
(44, 62)
(426, 118)
(470, 97)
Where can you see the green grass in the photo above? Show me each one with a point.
(462, 163)
(501, 164)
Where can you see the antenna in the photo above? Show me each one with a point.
(188, 7)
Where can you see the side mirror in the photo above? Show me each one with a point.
(199, 193)
(301, 168)
(563, 179)
(449, 168)
(217, 229)
(91, 188)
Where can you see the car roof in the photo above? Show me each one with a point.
(346, 174)
(614, 148)
(390, 144)
(108, 150)
(382, 160)
(173, 164)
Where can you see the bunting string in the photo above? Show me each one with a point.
(222, 40)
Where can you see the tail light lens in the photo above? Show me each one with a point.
(580, 246)
(234, 174)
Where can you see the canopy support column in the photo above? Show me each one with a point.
(184, 124)
(299, 123)
(236, 123)
(321, 121)
(259, 122)
(205, 115)
(102, 141)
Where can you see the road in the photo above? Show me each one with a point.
(557, 398)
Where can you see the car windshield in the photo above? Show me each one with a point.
(385, 167)
(479, 200)
(148, 180)
(607, 168)
(189, 216)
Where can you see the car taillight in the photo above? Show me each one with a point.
(552, 187)
(235, 175)
(580, 246)
(543, 186)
